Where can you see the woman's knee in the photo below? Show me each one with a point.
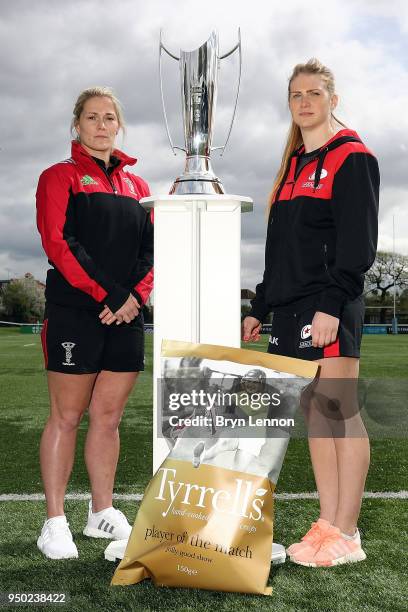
(105, 417)
(66, 420)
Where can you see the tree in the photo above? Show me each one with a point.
(245, 310)
(389, 269)
(403, 302)
(22, 300)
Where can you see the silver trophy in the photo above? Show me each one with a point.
(199, 76)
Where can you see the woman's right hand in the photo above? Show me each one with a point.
(251, 329)
(107, 317)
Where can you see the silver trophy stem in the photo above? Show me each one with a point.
(198, 72)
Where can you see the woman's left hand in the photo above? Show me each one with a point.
(324, 329)
(107, 317)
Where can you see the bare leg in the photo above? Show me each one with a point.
(69, 398)
(324, 462)
(109, 397)
(351, 445)
(353, 457)
(323, 456)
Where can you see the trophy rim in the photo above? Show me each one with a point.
(213, 36)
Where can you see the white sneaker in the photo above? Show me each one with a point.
(108, 523)
(55, 541)
(115, 551)
(278, 554)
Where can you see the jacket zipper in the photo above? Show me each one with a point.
(292, 183)
(325, 257)
(112, 184)
(292, 188)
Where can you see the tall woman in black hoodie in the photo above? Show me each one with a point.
(322, 237)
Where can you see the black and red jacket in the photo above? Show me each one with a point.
(96, 235)
(322, 229)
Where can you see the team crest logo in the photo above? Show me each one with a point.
(88, 180)
(68, 346)
(323, 175)
(130, 185)
(306, 332)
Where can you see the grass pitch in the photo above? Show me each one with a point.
(376, 584)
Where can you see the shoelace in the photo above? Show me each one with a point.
(58, 528)
(314, 534)
(330, 539)
(114, 513)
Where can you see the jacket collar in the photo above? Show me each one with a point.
(340, 134)
(79, 154)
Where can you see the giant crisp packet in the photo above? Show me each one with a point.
(206, 519)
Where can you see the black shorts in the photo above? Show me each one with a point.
(290, 335)
(76, 342)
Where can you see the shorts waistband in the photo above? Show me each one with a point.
(298, 306)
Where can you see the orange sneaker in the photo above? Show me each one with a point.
(312, 539)
(334, 549)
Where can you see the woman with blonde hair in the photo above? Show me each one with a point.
(321, 239)
(99, 242)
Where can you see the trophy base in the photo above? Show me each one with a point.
(198, 178)
(197, 186)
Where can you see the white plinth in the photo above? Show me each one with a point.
(197, 266)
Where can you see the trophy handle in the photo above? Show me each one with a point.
(237, 46)
(162, 47)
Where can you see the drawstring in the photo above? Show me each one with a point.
(319, 167)
(323, 152)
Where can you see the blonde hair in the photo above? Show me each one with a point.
(92, 92)
(294, 140)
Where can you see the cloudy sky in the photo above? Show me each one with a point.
(51, 50)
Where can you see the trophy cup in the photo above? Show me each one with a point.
(199, 76)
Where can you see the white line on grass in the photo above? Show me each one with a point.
(72, 496)
(366, 495)
(32, 344)
(9, 497)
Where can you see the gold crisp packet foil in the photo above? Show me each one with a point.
(215, 534)
(206, 519)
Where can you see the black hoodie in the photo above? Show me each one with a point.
(322, 229)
